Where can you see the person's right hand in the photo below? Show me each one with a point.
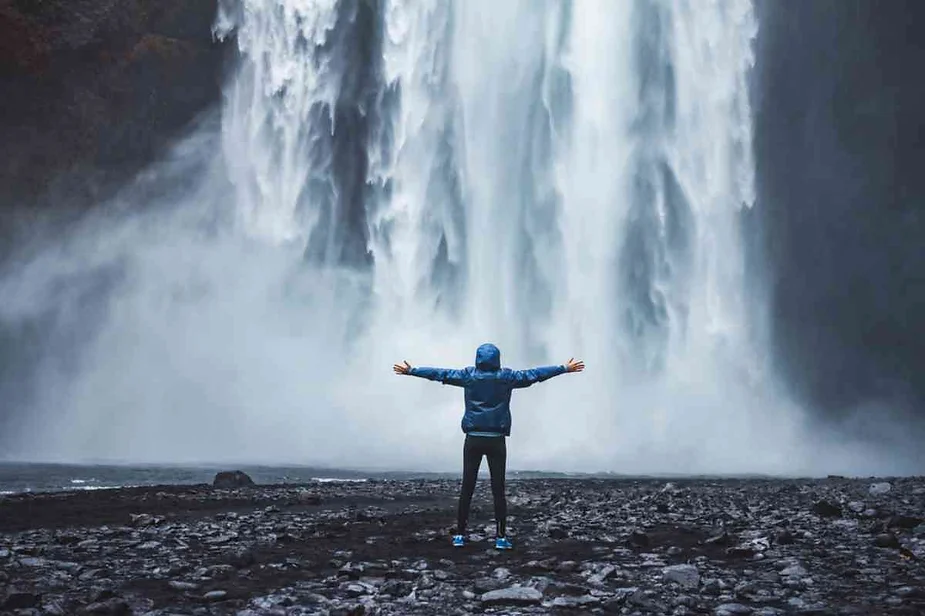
(574, 366)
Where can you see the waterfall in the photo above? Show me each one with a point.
(406, 180)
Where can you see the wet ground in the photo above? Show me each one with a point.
(755, 546)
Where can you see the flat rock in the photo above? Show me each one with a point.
(686, 576)
(729, 609)
(582, 601)
(880, 488)
(515, 595)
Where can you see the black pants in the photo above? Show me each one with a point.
(495, 449)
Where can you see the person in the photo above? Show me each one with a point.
(486, 423)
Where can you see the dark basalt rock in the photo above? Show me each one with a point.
(826, 509)
(232, 479)
(16, 600)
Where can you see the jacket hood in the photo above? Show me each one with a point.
(488, 357)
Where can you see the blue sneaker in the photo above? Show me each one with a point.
(459, 541)
(503, 543)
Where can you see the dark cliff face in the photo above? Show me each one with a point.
(840, 144)
(93, 89)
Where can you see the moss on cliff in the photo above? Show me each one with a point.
(93, 89)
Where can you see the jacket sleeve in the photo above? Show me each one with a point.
(447, 376)
(526, 378)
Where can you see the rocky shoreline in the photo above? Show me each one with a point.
(609, 546)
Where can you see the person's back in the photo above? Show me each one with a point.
(487, 421)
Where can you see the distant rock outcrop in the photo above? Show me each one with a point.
(232, 479)
(93, 89)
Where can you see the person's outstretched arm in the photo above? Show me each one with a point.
(447, 376)
(526, 378)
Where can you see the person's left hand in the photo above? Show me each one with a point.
(402, 368)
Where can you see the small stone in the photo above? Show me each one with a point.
(515, 595)
(686, 576)
(826, 509)
(894, 601)
(16, 600)
(582, 601)
(141, 520)
(796, 571)
(215, 595)
(721, 539)
(501, 573)
(785, 537)
(103, 594)
(856, 506)
(727, 609)
(110, 607)
(53, 607)
(178, 585)
(904, 521)
(242, 558)
(602, 575)
(878, 489)
(149, 545)
(886, 540)
(483, 585)
(309, 498)
(638, 539)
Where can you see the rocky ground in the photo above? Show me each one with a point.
(833, 546)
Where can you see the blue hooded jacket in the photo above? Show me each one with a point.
(488, 388)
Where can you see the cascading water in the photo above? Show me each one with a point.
(407, 180)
